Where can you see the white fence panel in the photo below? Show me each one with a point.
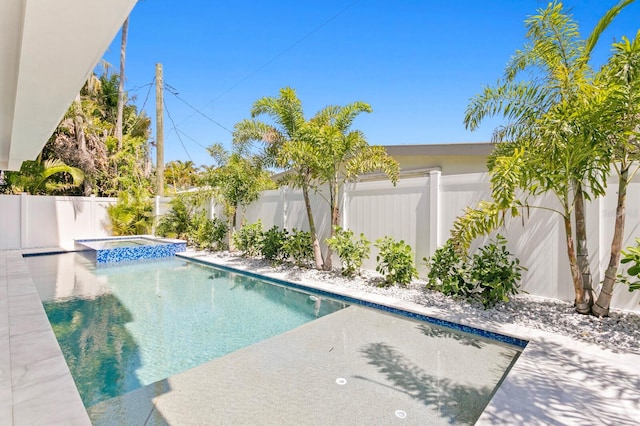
(10, 224)
(378, 209)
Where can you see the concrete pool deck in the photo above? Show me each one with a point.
(556, 380)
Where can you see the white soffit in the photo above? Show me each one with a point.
(48, 49)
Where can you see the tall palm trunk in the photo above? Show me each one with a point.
(601, 307)
(335, 221)
(81, 140)
(573, 262)
(317, 253)
(123, 51)
(583, 252)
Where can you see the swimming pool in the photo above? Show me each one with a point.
(128, 325)
(442, 374)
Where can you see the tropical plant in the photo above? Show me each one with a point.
(248, 239)
(491, 275)
(287, 114)
(201, 230)
(551, 143)
(176, 222)
(449, 272)
(132, 214)
(299, 248)
(322, 150)
(181, 174)
(351, 252)
(44, 177)
(236, 182)
(620, 112)
(395, 261)
(495, 273)
(632, 255)
(273, 244)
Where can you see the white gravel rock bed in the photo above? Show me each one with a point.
(618, 332)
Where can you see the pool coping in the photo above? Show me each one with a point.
(548, 383)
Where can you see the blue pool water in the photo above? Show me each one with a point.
(124, 326)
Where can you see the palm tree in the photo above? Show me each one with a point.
(621, 109)
(44, 177)
(335, 154)
(181, 174)
(121, 95)
(288, 117)
(550, 143)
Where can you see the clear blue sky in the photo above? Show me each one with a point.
(417, 63)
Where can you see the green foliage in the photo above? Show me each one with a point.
(448, 272)
(132, 214)
(206, 233)
(44, 177)
(351, 252)
(495, 272)
(248, 239)
(176, 222)
(631, 255)
(395, 261)
(273, 245)
(299, 247)
(490, 276)
(184, 221)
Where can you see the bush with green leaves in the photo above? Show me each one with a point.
(218, 234)
(448, 272)
(395, 261)
(299, 247)
(631, 255)
(273, 244)
(495, 272)
(350, 251)
(202, 230)
(176, 222)
(248, 239)
(132, 214)
(491, 275)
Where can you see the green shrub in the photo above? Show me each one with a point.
(299, 247)
(448, 273)
(248, 239)
(631, 255)
(273, 244)
(395, 261)
(176, 222)
(207, 234)
(352, 253)
(490, 276)
(132, 214)
(495, 272)
(218, 234)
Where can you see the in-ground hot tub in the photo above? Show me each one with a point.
(121, 249)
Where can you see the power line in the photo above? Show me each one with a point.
(189, 137)
(273, 59)
(174, 92)
(176, 130)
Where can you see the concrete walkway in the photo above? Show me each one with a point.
(556, 380)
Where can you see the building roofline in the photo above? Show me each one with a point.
(474, 149)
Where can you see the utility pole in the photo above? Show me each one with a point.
(159, 132)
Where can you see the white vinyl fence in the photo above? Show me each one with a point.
(33, 221)
(419, 210)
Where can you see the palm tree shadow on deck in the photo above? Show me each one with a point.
(457, 403)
